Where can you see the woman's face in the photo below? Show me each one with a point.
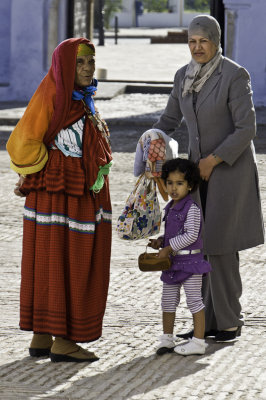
(201, 49)
(85, 68)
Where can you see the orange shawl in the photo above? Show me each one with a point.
(50, 109)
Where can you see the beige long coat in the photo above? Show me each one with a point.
(223, 123)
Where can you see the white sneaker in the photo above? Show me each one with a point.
(166, 344)
(193, 346)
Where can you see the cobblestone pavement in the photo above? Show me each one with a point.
(128, 367)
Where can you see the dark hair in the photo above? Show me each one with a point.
(188, 168)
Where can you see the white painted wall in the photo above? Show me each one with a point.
(245, 41)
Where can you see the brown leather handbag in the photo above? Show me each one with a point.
(151, 262)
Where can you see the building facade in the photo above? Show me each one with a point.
(31, 29)
(245, 41)
(29, 32)
(176, 17)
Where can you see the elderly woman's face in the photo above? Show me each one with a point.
(85, 68)
(201, 49)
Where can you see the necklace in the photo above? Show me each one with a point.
(97, 122)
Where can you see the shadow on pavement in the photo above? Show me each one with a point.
(138, 376)
(144, 373)
(125, 136)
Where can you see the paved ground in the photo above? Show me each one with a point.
(128, 368)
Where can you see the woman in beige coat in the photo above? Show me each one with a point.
(213, 94)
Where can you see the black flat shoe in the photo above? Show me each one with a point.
(39, 352)
(186, 335)
(67, 358)
(225, 336)
(163, 350)
(211, 332)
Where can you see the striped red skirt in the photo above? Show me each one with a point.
(65, 264)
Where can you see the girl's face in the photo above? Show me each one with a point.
(85, 67)
(177, 187)
(201, 48)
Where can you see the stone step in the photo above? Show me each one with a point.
(172, 37)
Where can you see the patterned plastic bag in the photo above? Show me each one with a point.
(141, 216)
(153, 149)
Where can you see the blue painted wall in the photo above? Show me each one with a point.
(5, 29)
(24, 32)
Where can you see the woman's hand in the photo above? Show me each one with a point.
(18, 186)
(165, 252)
(155, 243)
(207, 164)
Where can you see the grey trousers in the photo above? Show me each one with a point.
(222, 289)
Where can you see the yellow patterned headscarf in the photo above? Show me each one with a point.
(84, 50)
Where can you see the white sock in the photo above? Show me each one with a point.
(169, 335)
(197, 340)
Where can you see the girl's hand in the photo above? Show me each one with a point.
(18, 186)
(155, 243)
(165, 252)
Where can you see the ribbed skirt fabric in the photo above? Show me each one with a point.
(61, 174)
(65, 263)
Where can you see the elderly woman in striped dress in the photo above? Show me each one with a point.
(60, 149)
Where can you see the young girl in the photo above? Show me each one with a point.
(182, 242)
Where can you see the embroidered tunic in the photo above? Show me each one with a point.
(69, 140)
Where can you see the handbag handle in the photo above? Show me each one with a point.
(149, 182)
(146, 253)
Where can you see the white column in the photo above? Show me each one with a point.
(245, 38)
(52, 30)
(180, 12)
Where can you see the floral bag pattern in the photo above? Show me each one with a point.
(141, 216)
